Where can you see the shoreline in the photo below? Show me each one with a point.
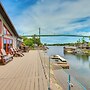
(53, 82)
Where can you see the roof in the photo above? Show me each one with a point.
(7, 19)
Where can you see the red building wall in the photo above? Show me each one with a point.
(0, 33)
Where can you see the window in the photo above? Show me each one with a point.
(7, 44)
(11, 42)
(6, 31)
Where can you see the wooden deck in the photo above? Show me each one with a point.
(23, 73)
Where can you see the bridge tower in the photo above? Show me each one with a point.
(39, 32)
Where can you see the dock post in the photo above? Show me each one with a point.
(49, 75)
(69, 79)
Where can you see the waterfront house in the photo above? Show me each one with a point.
(84, 45)
(8, 35)
(69, 49)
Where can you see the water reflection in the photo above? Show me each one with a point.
(84, 58)
(89, 64)
(79, 64)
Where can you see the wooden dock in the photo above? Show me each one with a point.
(58, 57)
(60, 65)
(60, 62)
(23, 73)
(29, 73)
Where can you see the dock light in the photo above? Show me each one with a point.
(69, 83)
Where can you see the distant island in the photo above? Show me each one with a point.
(81, 47)
(58, 44)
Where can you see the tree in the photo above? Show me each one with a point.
(89, 37)
(83, 40)
(31, 41)
(36, 40)
(78, 42)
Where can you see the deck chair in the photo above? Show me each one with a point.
(4, 57)
(15, 53)
(19, 51)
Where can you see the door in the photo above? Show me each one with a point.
(7, 44)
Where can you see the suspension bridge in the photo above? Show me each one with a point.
(55, 35)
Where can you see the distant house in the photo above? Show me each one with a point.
(8, 35)
(84, 45)
(69, 49)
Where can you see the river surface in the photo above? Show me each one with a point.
(79, 65)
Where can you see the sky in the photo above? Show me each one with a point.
(52, 16)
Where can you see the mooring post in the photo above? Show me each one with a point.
(69, 80)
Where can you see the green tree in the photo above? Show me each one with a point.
(83, 40)
(36, 40)
(89, 37)
(31, 41)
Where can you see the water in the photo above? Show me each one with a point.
(79, 65)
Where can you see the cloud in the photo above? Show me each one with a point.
(52, 16)
(84, 33)
(81, 20)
